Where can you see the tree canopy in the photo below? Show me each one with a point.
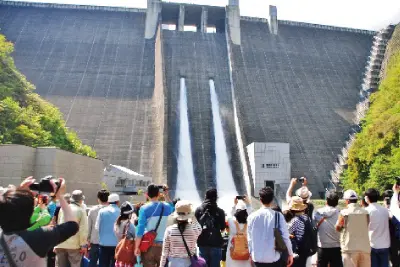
(27, 119)
(374, 158)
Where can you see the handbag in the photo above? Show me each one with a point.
(6, 250)
(125, 248)
(195, 261)
(149, 237)
(280, 244)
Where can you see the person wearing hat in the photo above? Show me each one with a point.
(185, 225)
(297, 229)
(105, 225)
(69, 253)
(353, 225)
(236, 223)
(124, 226)
(303, 192)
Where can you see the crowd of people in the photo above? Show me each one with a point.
(40, 230)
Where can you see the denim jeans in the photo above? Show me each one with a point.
(380, 257)
(93, 255)
(212, 256)
(106, 256)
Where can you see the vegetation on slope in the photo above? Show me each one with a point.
(374, 158)
(27, 119)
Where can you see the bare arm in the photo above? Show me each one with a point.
(290, 189)
(67, 211)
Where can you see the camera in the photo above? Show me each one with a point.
(301, 179)
(161, 188)
(45, 186)
(240, 197)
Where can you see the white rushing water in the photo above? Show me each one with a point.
(225, 185)
(186, 184)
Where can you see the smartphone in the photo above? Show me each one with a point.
(240, 197)
(161, 188)
(301, 179)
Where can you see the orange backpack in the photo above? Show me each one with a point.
(239, 246)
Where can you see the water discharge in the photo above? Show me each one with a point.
(186, 184)
(224, 179)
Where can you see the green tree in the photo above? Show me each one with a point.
(374, 158)
(27, 119)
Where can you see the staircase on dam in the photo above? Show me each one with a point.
(97, 68)
(199, 57)
(301, 87)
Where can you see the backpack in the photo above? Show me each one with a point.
(207, 221)
(308, 245)
(239, 247)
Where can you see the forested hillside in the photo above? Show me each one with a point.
(27, 119)
(374, 158)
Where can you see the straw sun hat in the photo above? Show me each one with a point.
(183, 209)
(297, 204)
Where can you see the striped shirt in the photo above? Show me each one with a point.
(173, 245)
(296, 227)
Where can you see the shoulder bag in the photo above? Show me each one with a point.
(125, 248)
(280, 244)
(196, 261)
(149, 237)
(6, 250)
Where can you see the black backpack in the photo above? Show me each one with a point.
(308, 245)
(209, 224)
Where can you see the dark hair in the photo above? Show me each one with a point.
(153, 191)
(122, 217)
(212, 194)
(288, 215)
(276, 208)
(16, 210)
(266, 195)
(353, 200)
(332, 198)
(241, 216)
(182, 225)
(372, 194)
(102, 195)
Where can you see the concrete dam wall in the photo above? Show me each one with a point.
(115, 74)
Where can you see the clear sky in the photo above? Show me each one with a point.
(362, 14)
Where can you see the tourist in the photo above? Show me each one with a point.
(69, 253)
(212, 221)
(31, 247)
(238, 225)
(395, 213)
(52, 205)
(125, 228)
(185, 229)
(93, 233)
(302, 192)
(149, 215)
(41, 216)
(260, 233)
(105, 226)
(297, 228)
(125, 218)
(353, 224)
(394, 251)
(379, 234)
(329, 253)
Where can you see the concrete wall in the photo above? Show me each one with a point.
(80, 172)
(269, 162)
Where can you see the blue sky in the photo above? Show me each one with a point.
(362, 14)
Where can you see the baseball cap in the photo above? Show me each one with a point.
(77, 195)
(350, 195)
(112, 198)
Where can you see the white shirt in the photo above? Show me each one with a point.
(379, 235)
(260, 235)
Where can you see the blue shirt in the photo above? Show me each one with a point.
(148, 218)
(260, 235)
(105, 225)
